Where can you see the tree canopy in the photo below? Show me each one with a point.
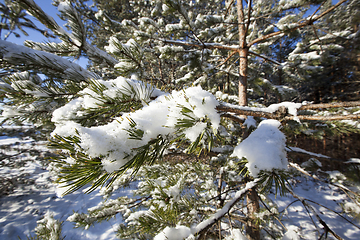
(222, 82)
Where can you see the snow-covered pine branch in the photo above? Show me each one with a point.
(78, 36)
(25, 58)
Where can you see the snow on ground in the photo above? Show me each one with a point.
(33, 195)
(321, 197)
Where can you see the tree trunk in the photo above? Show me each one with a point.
(243, 52)
(252, 205)
(243, 76)
(252, 226)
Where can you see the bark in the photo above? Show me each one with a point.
(243, 52)
(243, 76)
(252, 205)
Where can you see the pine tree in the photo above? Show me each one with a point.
(141, 105)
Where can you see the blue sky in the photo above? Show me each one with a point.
(51, 10)
(34, 35)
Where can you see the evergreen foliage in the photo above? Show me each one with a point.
(141, 99)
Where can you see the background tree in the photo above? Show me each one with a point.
(140, 100)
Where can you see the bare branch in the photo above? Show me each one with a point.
(343, 188)
(282, 114)
(227, 59)
(205, 45)
(330, 105)
(239, 111)
(324, 118)
(228, 8)
(264, 57)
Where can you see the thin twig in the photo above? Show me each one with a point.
(308, 206)
(228, 8)
(344, 189)
(227, 59)
(334, 212)
(267, 208)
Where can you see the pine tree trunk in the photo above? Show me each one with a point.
(243, 52)
(252, 225)
(243, 76)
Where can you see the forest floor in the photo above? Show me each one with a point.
(27, 193)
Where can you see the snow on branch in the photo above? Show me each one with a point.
(300, 24)
(190, 114)
(19, 55)
(282, 111)
(48, 21)
(204, 45)
(274, 111)
(201, 228)
(330, 105)
(326, 118)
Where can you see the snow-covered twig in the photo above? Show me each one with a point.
(330, 105)
(308, 206)
(202, 227)
(325, 118)
(280, 111)
(343, 188)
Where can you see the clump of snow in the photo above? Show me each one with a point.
(177, 233)
(264, 148)
(193, 132)
(50, 226)
(99, 14)
(353, 160)
(64, 6)
(352, 207)
(291, 233)
(160, 117)
(236, 234)
(250, 122)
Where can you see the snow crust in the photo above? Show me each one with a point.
(264, 148)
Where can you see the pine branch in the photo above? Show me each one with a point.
(48, 21)
(27, 58)
(301, 24)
